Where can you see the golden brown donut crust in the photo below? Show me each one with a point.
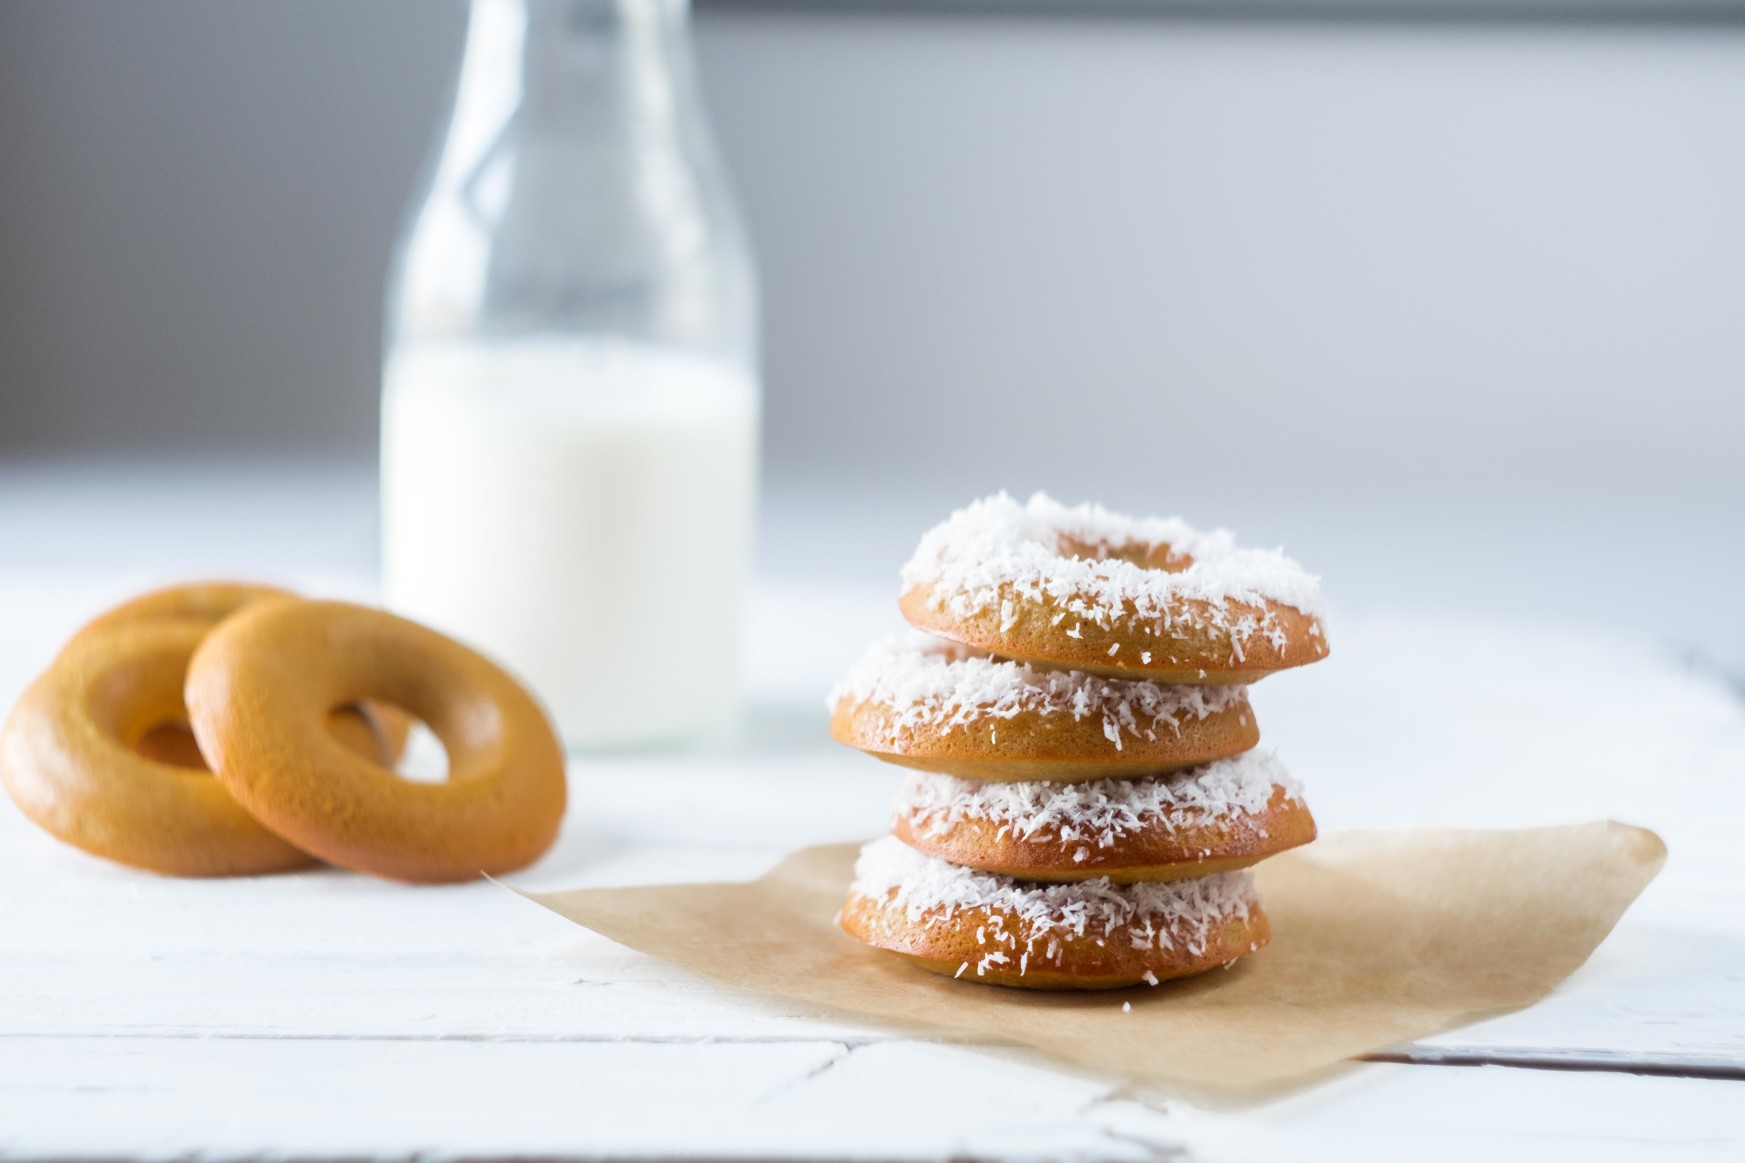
(1194, 848)
(259, 690)
(1034, 746)
(1093, 961)
(209, 602)
(174, 743)
(69, 758)
(1188, 650)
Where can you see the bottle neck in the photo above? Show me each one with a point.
(586, 67)
(577, 191)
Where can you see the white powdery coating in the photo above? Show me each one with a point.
(997, 552)
(1101, 812)
(935, 686)
(1031, 919)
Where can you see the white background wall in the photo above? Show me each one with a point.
(1455, 307)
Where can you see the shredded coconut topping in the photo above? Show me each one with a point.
(936, 686)
(1029, 920)
(1101, 812)
(999, 554)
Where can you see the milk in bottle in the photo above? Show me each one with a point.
(570, 398)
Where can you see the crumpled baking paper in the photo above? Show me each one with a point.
(1379, 938)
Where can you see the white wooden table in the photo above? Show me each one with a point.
(328, 1016)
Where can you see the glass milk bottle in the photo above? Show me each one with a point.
(570, 401)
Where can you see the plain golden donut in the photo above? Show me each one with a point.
(1091, 935)
(1227, 815)
(939, 707)
(259, 692)
(70, 759)
(1089, 589)
(211, 602)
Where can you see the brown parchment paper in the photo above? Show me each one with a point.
(1378, 938)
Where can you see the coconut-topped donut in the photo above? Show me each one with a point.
(1223, 816)
(1090, 935)
(937, 706)
(1090, 589)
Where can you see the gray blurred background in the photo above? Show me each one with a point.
(1454, 308)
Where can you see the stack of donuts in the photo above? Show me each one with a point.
(1086, 790)
(226, 729)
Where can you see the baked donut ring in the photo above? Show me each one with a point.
(1090, 935)
(1087, 588)
(262, 684)
(940, 707)
(211, 602)
(1227, 815)
(70, 758)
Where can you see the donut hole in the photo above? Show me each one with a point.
(440, 720)
(451, 727)
(172, 743)
(424, 757)
(390, 737)
(1158, 555)
(137, 702)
